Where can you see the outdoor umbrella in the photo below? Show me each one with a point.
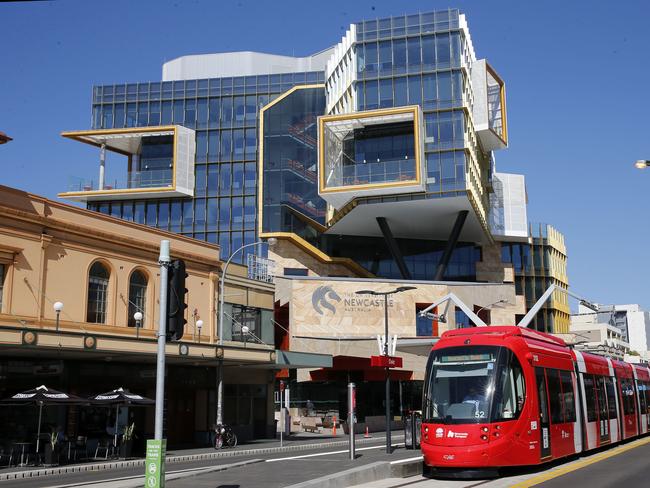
(119, 398)
(42, 396)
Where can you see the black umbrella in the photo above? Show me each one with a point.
(119, 398)
(42, 396)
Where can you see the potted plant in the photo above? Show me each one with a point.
(50, 448)
(127, 441)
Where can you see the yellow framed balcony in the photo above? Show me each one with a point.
(168, 175)
(373, 152)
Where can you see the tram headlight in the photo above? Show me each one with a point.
(484, 437)
(484, 429)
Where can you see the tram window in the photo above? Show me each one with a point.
(590, 396)
(602, 402)
(460, 384)
(568, 396)
(641, 389)
(628, 396)
(611, 397)
(555, 395)
(541, 394)
(511, 394)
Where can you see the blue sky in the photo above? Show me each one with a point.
(577, 85)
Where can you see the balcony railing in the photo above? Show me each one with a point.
(134, 180)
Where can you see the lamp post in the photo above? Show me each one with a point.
(642, 164)
(385, 294)
(271, 242)
(199, 326)
(58, 306)
(138, 323)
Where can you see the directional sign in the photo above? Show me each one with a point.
(155, 464)
(386, 361)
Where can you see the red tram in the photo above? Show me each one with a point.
(511, 396)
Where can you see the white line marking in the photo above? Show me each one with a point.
(85, 483)
(325, 453)
(401, 461)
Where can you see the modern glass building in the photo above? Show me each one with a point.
(373, 158)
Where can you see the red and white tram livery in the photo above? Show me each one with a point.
(510, 396)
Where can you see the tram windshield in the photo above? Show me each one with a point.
(473, 384)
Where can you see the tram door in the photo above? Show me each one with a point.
(544, 419)
(603, 410)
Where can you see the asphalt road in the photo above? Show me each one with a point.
(628, 469)
(117, 477)
(288, 469)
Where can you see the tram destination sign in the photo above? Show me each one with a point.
(386, 361)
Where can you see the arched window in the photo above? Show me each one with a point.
(137, 296)
(97, 293)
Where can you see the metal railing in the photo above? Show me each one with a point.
(134, 180)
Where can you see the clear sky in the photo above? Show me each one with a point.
(577, 76)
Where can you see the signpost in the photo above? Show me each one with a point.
(385, 361)
(154, 464)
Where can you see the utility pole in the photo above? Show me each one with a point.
(164, 261)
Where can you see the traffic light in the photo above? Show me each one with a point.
(176, 293)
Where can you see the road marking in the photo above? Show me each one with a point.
(125, 478)
(401, 461)
(536, 480)
(325, 453)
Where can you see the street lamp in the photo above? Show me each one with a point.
(58, 306)
(244, 331)
(271, 242)
(199, 325)
(642, 164)
(503, 300)
(385, 294)
(138, 323)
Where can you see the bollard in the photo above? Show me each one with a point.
(352, 405)
(334, 426)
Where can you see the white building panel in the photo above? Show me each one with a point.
(508, 217)
(243, 63)
(185, 148)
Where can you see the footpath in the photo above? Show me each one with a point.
(263, 448)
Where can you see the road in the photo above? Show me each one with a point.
(623, 465)
(131, 476)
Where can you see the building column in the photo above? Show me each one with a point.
(393, 248)
(451, 244)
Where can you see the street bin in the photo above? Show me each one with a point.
(412, 430)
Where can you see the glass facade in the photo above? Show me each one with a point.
(290, 188)
(538, 265)
(422, 59)
(224, 113)
(421, 256)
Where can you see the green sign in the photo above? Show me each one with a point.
(154, 465)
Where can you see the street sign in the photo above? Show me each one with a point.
(154, 465)
(386, 361)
